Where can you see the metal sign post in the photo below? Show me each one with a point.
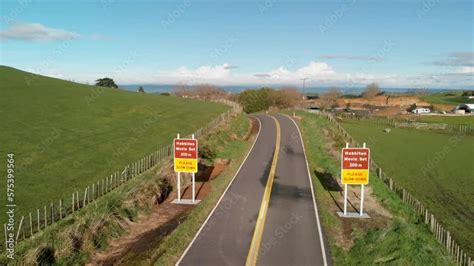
(186, 161)
(194, 186)
(354, 171)
(362, 194)
(345, 189)
(179, 179)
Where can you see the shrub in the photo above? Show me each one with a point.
(255, 100)
(371, 91)
(206, 152)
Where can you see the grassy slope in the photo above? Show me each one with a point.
(110, 210)
(62, 140)
(404, 242)
(447, 99)
(446, 188)
(468, 120)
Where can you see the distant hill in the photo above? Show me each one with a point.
(66, 135)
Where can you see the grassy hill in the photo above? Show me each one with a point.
(436, 167)
(453, 98)
(67, 135)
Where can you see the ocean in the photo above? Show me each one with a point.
(159, 88)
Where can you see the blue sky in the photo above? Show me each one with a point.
(427, 43)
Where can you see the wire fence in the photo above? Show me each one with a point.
(47, 215)
(439, 231)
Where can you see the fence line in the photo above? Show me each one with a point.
(54, 213)
(441, 234)
(461, 128)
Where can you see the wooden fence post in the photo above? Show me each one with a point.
(31, 225)
(19, 228)
(39, 222)
(85, 197)
(52, 213)
(77, 200)
(45, 217)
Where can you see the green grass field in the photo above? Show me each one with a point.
(454, 98)
(403, 241)
(437, 168)
(467, 119)
(66, 136)
(112, 209)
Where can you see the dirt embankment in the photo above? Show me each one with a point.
(384, 105)
(148, 231)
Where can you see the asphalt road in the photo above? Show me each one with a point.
(291, 234)
(225, 239)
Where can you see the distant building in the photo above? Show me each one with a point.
(466, 107)
(421, 111)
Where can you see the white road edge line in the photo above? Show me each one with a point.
(323, 249)
(223, 194)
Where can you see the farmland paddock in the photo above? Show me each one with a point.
(399, 123)
(441, 234)
(31, 224)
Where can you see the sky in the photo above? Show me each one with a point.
(419, 43)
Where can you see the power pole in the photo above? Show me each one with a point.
(304, 83)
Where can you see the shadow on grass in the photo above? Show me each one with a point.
(330, 184)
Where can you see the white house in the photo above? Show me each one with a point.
(421, 111)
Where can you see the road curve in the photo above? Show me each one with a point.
(292, 230)
(226, 236)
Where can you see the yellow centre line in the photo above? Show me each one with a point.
(262, 215)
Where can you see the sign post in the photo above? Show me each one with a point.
(194, 185)
(185, 161)
(355, 164)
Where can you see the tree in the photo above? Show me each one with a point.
(371, 91)
(181, 91)
(141, 89)
(329, 98)
(208, 91)
(468, 93)
(289, 97)
(412, 107)
(106, 82)
(255, 100)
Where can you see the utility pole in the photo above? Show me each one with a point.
(304, 83)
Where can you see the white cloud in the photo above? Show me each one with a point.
(35, 32)
(467, 69)
(318, 73)
(457, 59)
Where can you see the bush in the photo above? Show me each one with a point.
(256, 100)
(412, 107)
(371, 91)
(165, 94)
(329, 98)
(206, 152)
